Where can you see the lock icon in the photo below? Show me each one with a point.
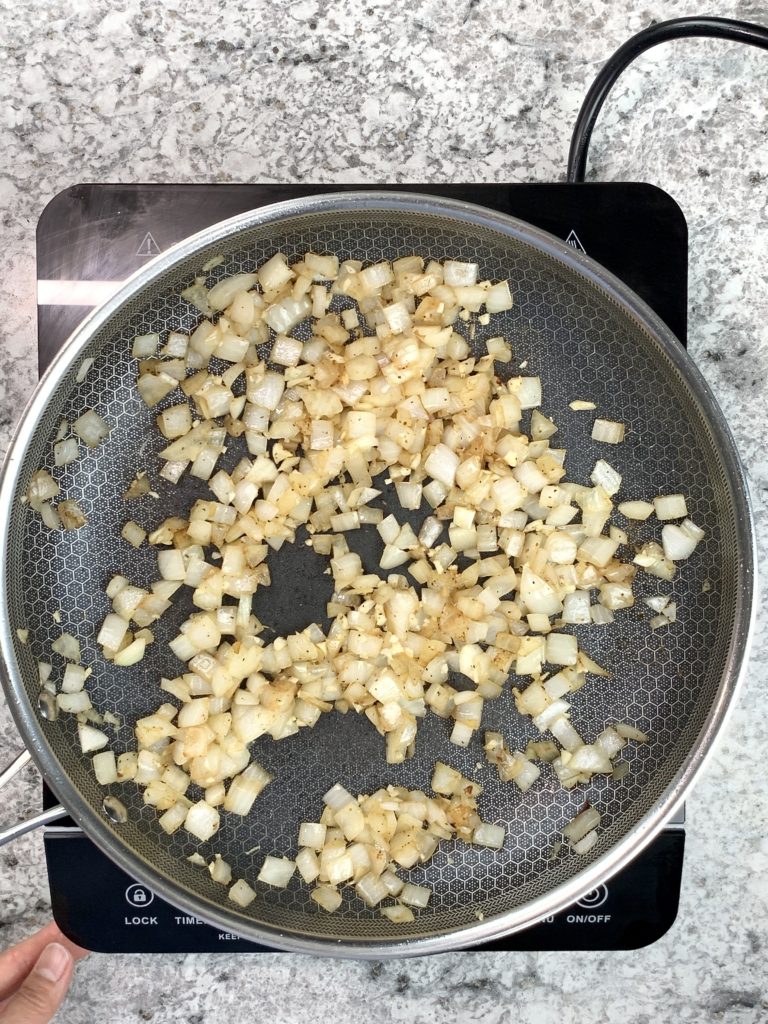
(139, 895)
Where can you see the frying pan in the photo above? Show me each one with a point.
(588, 337)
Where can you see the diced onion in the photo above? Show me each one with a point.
(498, 298)
(153, 387)
(605, 476)
(418, 895)
(312, 835)
(42, 486)
(112, 631)
(66, 451)
(241, 893)
(446, 780)
(581, 825)
(462, 274)
(131, 654)
(562, 649)
(91, 739)
(677, 543)
(275, 273)
(639, 510)
(408, 826)
(670, 506)
(91, 428)
(630, 732)
(692, 530)
(74, 678)
(71, 515)
(601, 615)
(442, 464)
(175, 421)
(308, 865)
(286, 351)
(222, 294)
(327, 896)
(542, 427)
(220, 871)
(73, 703)
(576, 610)
(105, 767)
(83, 369)
(492, 836)
(145, 345)
(583, 846)
(277, 871)
(134, 534)
(171, 820)
(67, 646)
(283, 316)
(527, 390)
(202, 820)
(244, 789)
(398, 914)
(409, 494)
(608, 431)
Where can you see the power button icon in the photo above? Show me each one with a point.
(594, 898)
(139, 895)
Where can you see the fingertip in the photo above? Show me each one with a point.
(43, 990)
(57, 935)
(53, 963)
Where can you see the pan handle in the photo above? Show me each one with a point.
(44, 818)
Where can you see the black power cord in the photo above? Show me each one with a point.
(677, 28)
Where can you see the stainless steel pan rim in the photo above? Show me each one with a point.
(613, 859)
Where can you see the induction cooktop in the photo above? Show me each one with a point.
(89, 239)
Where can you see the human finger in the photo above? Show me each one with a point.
(43, 990)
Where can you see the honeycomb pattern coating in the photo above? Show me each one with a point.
(584, 346)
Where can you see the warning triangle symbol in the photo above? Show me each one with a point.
(575, 242)
(148, 246)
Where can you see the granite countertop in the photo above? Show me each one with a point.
(483, 90)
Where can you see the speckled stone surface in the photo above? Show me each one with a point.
(383, 90)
